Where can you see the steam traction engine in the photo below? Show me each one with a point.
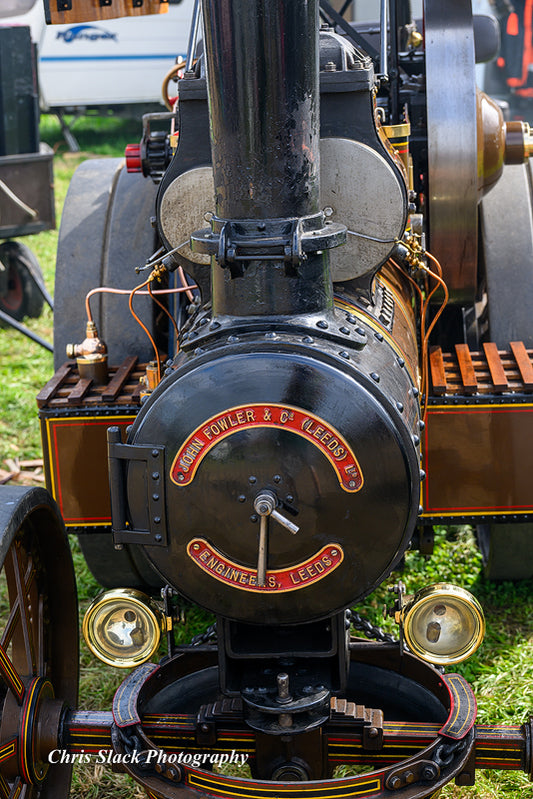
(297, 439)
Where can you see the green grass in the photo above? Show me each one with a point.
(96, 135)
(501, 672)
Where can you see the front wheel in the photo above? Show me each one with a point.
(38, 643)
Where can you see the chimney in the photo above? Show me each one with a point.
(269, 236)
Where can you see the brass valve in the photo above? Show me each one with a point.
(91, 355)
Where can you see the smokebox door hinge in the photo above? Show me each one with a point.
(153, 459)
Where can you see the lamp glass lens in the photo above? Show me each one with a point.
(445, 627)
(124, 630)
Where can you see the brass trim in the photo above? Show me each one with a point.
(395, 131)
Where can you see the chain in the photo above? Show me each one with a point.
(203, 638)
(370, 630)
(357, 621)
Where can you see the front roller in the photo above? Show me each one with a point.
(170, 726)
(38, 642)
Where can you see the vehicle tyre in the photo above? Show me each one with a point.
(508, 258)
(22, 295)
(507, 549)
(123, 568)
(105, 233)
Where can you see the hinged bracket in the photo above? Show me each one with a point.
(154, 459)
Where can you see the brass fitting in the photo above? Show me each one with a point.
(91, 356)
(151, 375)
(518, 142)
(415, 39)
(150, 379)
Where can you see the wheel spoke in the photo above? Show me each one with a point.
(41, 643)
(5, 793)
(15, 609)
(20, 790)
(11, 675)
(22, 595)
(15, 792)
(8, 749)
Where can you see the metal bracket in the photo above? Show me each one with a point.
(64, 5)
(429, 765)
(235, 242)
(154, 459)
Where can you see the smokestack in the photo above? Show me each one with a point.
(262, 63)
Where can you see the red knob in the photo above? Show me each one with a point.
(133, 158)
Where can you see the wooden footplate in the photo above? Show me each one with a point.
(488, 372)
(477, 451)
(67, 389)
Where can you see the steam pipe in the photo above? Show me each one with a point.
(384, 24)
(193, 35)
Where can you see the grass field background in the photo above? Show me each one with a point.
(501, 672)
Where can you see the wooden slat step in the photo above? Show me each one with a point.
(136, 393)
(523, 362)
(116, 383)
(494, 361)
(438, 374)
(80, 390)
(53, 385)
(466, 366)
